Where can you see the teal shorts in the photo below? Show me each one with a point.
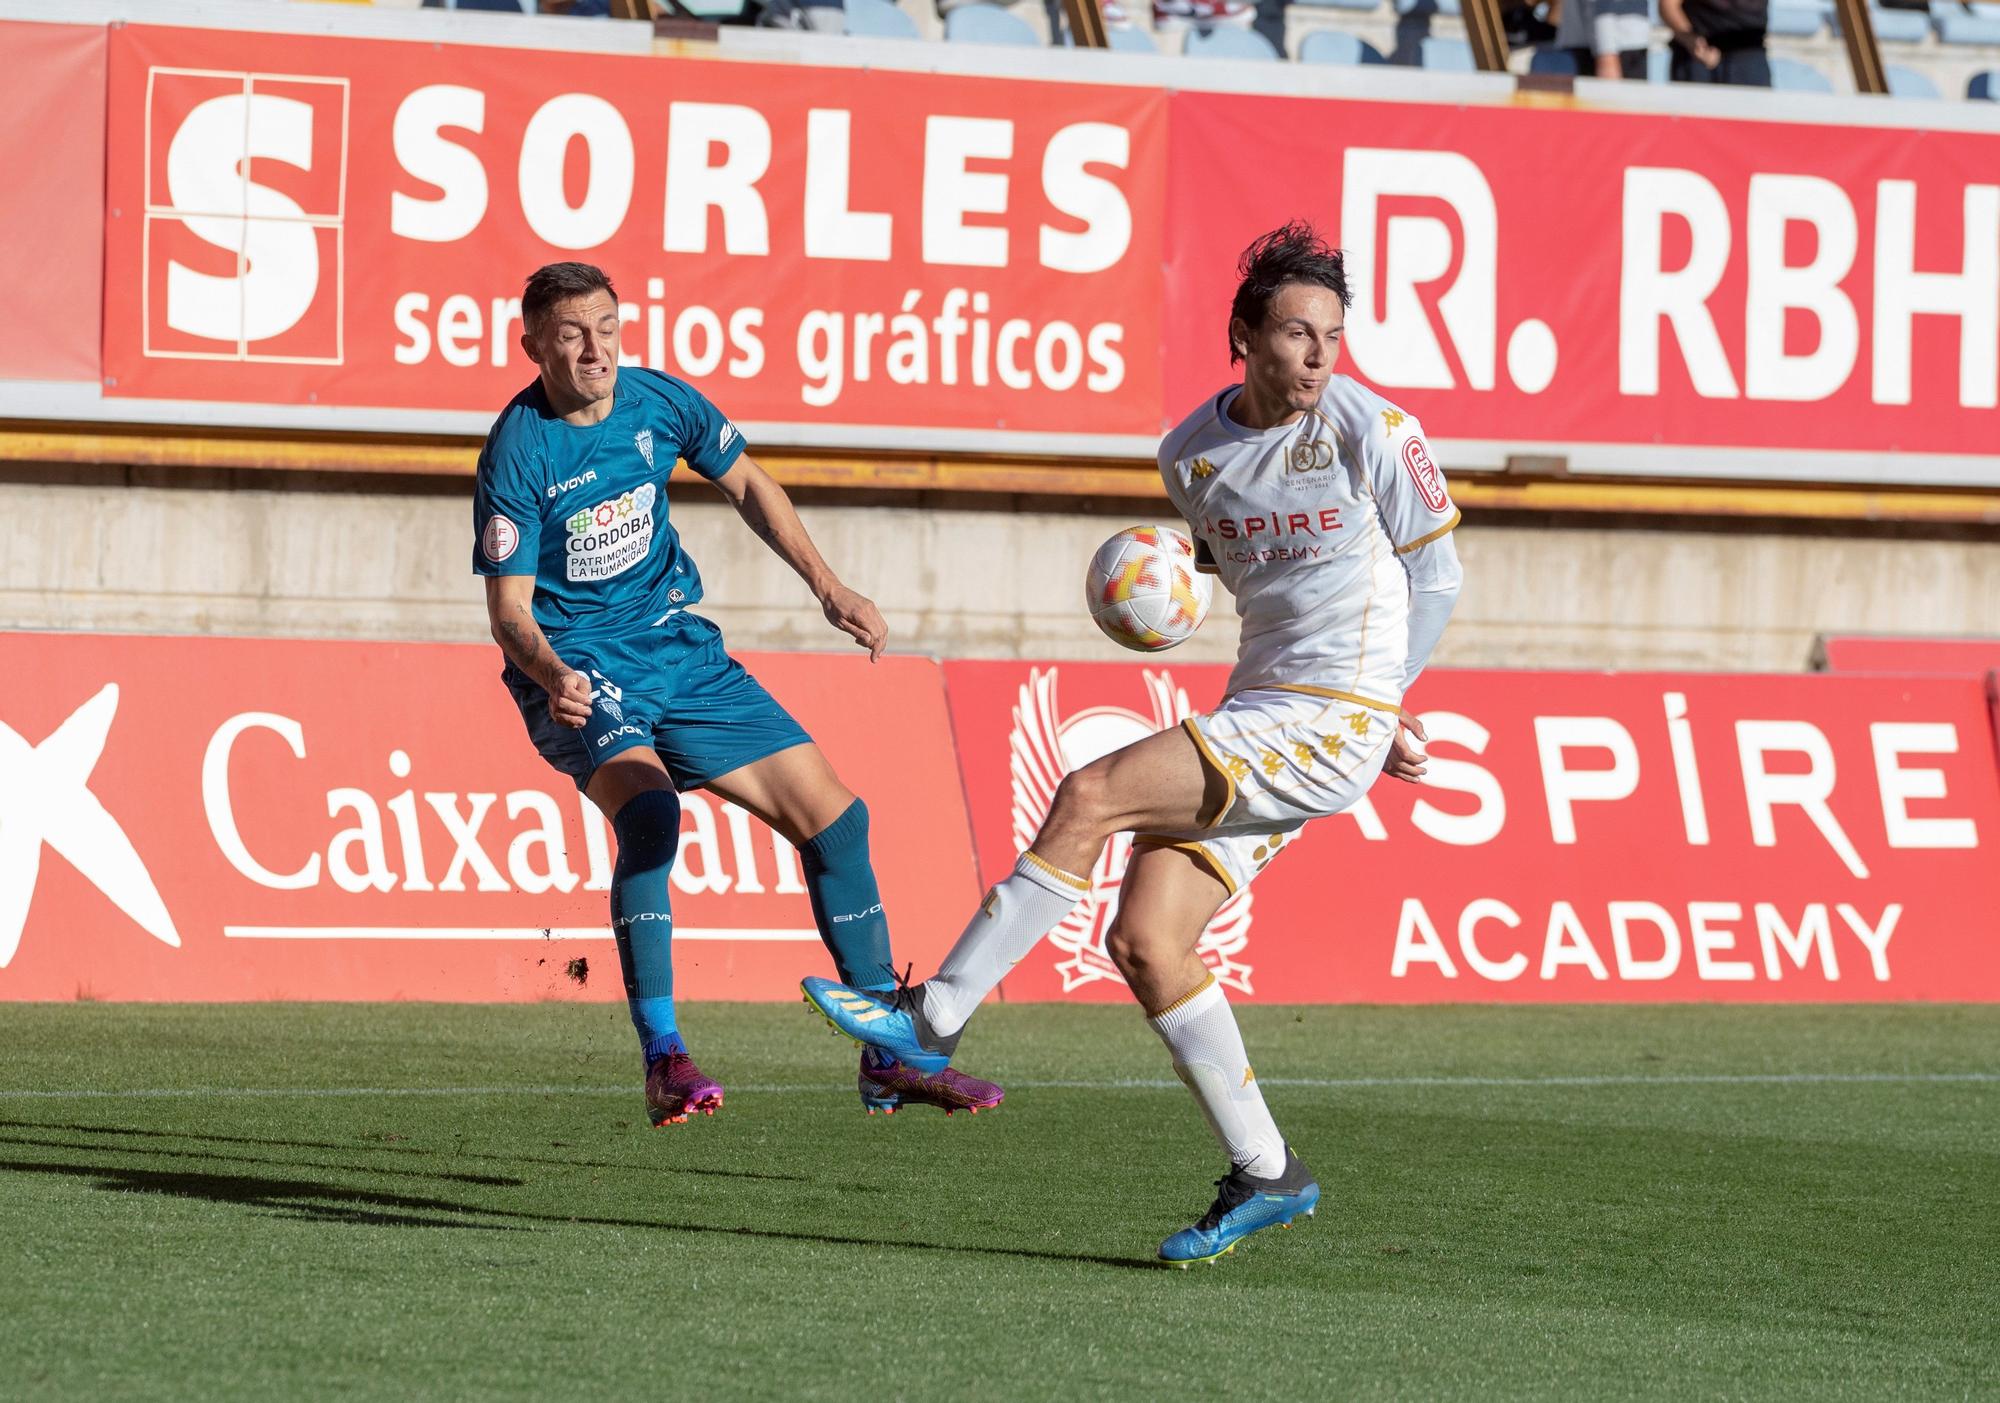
(673, 687)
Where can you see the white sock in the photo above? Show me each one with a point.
(1200, 1032)
(1016, 914)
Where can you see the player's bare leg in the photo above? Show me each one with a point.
(797, 792)
(1159, 783)
(634, 792)
(1166, 901)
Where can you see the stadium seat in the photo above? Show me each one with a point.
(1227, 41)
(1447, 55)
(988, 24)
(1958, 25)
(1791, 76)
(1907, 82)
(1128, 40)
(1984, 87)
(1343, 4)
(1337, 47)
(1794, 20)
(1559, 62)
(877, 19)
(1659, 65)
(1427, 7)
(1891, 26)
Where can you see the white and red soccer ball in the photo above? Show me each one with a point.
(1143, 590)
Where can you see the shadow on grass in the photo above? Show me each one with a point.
(268, 1142)
(306, 1199)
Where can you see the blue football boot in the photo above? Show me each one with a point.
(891, 1022)
(1243, 1205)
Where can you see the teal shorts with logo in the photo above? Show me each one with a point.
(673, 687)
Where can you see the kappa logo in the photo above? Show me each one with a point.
(643, 441)
(45, 798)
(1201, 467)
(1045, 746)
(1392, 419)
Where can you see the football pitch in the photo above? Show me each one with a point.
(422, 1201)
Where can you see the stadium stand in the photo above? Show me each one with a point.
(1226, 41)
(1338, 47)
(987, 24)
(1796, 76)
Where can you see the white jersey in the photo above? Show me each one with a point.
(1310, 526)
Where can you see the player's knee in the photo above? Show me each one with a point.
(1130, 950)
(1084, 799)
(649, 830)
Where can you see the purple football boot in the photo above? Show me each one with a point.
(887, 1085)
(676, 1089)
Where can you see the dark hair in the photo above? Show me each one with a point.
(1294, 254)
(558, 282)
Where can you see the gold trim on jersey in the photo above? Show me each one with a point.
(1306, 687)
(1043, 865)
(1443, 530)
(1201, 744)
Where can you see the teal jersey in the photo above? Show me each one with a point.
(584, 510)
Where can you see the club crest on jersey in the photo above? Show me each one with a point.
(643, 441)
(608, 696)
(1043, 747)
(1310, 456)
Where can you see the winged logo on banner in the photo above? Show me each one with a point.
(1044, 746)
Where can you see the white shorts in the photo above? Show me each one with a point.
(1288, 756)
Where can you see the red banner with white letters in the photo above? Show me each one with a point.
(203, 818)
(1580, 837)
(903, 255)
(349, 222)
(1671, 280)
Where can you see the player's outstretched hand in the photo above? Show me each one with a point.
(569, 703)
(856, 616)
(1406, 756)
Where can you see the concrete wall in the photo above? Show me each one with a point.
(226, 558)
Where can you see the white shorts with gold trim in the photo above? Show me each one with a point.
(1288, 755)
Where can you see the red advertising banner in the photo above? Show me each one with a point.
(1947, 657)
(198, 818)
(1580, 838)
(348, 222)
(52, 218)
(1668, 280)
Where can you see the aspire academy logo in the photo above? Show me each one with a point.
(45, 800)
(1045, 745)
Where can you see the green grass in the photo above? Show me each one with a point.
(1486, 1233)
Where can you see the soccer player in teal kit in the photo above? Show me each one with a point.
(631, 694)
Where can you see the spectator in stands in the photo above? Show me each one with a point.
(1718, 41)
(1607, 37)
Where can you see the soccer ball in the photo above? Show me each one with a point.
(1143, 590)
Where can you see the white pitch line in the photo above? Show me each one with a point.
(1320, 1083)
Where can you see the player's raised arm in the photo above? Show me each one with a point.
(767, 509)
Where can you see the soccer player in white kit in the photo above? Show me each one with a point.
(1319, 505)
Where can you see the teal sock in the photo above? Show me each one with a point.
(846, 904)
(649, 833)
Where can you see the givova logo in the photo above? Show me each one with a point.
(246, 178)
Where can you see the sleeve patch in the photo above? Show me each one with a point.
(1423, 472)
(499, 538)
